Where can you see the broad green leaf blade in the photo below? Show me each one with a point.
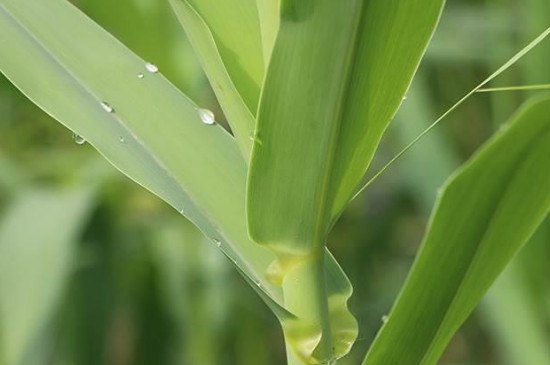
(286, 211)
(226, 38)
(298, 124)
(485, 214)
(68, 66)
(337, 75)
(36, 249)
(391, 40)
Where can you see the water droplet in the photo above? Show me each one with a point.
(151, 67)
(121, 139)
(258, 284)
(217, 242)
(107, 107)
(141, 75)
(207, 116)
(182, 211)
(385, 319)
(405, 97)
(79, 140)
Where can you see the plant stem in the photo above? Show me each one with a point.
(304, 288)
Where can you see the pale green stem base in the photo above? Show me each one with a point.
(305, 293)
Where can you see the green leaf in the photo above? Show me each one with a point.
(332, 86)
(235, 27)
(337, 75)
(487, 211)
(36, 246)
(227, 40)
(68, 66)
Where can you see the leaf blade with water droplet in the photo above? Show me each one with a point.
(226, 39)
(177, 158)
(168, 151)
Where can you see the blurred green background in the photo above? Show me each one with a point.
(96, 270)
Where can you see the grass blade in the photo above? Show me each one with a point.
(226, 38)
(68, 66)
(485, 214)
(306, 139)
(313, 42)
(36, 237)
(479, 87)
(315, 136)
(515, 88)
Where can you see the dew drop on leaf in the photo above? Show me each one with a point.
(140, 75)
(107, 107)
(207, 116)
(79, 140)
(151, 67)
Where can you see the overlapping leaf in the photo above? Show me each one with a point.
(68, 66)
(337, 75)
(485, 214)
(227, 39)
(143, 125)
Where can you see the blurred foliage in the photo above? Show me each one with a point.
(144, 288)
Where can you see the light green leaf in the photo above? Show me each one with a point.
(337, 75)
(235, 27)
(392, 39)
(36, 237)
(485, 214)
(226, 37)
(68, 66)
(297, 125)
